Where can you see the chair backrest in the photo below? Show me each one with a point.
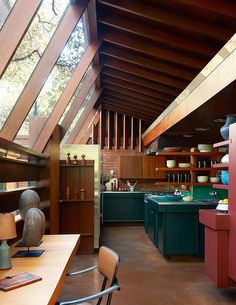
(108, 263)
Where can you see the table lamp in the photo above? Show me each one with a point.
(7, 231)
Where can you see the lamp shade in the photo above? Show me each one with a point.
(7, 226)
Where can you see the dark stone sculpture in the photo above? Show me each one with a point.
(28, 199)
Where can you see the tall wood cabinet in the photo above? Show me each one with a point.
(77, 201)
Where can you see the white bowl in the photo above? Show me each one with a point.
(214, 179)
(187, 198)
(225, 159)
(170, 163)
(204, 146)
(202, 179)
(185, 164)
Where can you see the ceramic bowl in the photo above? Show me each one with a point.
(170, 163)
(214, 179)
(187, 198)
(202, 179)
(225, 159)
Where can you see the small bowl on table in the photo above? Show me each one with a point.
(202, 179)
(187, 198)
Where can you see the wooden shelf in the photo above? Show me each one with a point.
(71, 200)
(220, 144)
(220, 186)
(185, 183)
(221, 165)
(187, 153)
(183, 169)
(21, 189)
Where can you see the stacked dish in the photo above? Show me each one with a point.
(202, 179)
(185, 164)
(205, 147)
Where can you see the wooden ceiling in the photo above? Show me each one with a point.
(151, 50)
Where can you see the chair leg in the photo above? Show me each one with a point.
(103, 287)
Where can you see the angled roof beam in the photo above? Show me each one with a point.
(220, 77)
(42, 70)
(148, 74)
(86, 130)
(74, 108)
(156, 13)
(66, 96)
(74, 134)
(15, 28)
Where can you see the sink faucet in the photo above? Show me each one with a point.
(214, 194)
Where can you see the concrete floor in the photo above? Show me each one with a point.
(146, 276)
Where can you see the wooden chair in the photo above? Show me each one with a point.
(108, 263)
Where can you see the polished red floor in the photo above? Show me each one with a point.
(146, 276)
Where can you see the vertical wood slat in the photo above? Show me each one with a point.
(109, 140)
(117, 132)
(15, 28)
(94, 134)
(102, 128)
(80, 126)
(88, 82)
(124, 131)
(139, 135)
(42, 70)
(66, 96)
(132, 140)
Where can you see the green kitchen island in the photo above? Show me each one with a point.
(176, 227)
(122, 206)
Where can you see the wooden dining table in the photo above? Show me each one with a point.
(52, 266)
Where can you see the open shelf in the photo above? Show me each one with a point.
(221, 165)
(220, 186)
(183, 168)
(220, 144)
(187, 153)
(185, 183)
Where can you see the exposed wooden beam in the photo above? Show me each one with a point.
(42, 70)
(218, 6)
(73, 137)
(85, 126)
(134, 101)
(146, 98)
(15, 28)
(218, 79)
(88, 132)
(120, 21)
(79, 99)
(158, 14)
(66, 96)
(145, 73)
(140, 81)
(134, 106)
(147, 62)
(149, 48)
(123, 84)
(124, 108)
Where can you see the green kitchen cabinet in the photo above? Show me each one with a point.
(123, 206)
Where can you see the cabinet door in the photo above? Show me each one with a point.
(131, 166)
(150, 163)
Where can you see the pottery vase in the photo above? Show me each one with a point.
(224, 130)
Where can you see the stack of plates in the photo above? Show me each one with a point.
(205, 147)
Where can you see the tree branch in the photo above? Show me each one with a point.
(53, 7)
(28, 56)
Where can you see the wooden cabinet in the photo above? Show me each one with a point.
(150, 163)
(77, 202)
(131, 166)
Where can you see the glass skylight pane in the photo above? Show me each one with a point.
(58, 78)
(5, 9)
(28, 54)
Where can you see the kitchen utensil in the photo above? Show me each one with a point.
(202, 179)
(170, 163)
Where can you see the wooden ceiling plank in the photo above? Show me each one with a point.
(42, 71)
(142, 108)
(209, 87)
(66, 96)
(148, 48)
(14, 29)
(139, 96)
(218, 6)
(145, 73)
(136, 88)
(79, 99)
(147, 62)
(83, 118)
(126, 23)
(158, 14)
(139, 112)
(134, 101)
(140, 81)
(128, 113)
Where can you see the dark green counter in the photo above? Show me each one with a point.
(123, 206)
(176, 226)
